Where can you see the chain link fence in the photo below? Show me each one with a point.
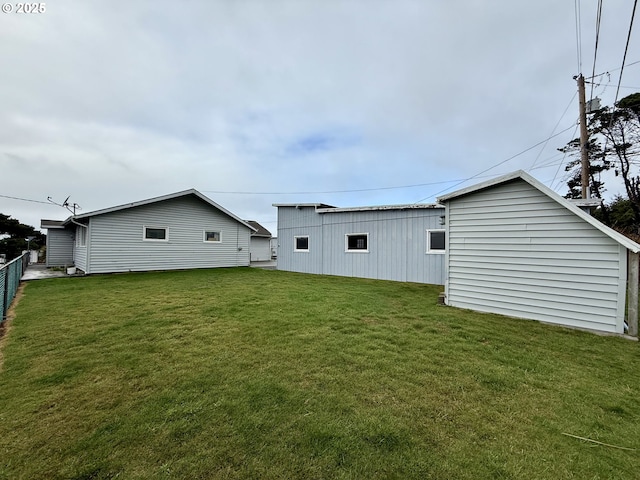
(10, 275)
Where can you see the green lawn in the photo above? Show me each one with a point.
(247, 373)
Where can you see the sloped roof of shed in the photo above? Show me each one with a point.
(44, 223)
(260, 230)
(162, 198)
(522, 175)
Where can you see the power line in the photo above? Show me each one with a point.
(562, 161)
(327, 191)
(554, 130)
(497, 164)
(25, 199)
(595, 50)
(615, 69)
(626, 48)
(576, 10)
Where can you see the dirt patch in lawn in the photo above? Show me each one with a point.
(5, 327)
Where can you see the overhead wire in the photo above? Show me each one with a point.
(595, 50)
(615, 69)
(554, 130)
(626, 48)
(496, 165)
(25, 199)
(576, 8)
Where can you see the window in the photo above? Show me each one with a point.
(156, 234)
(81, 236)
(301, 244)
(436, 241)
(357, 242)
(212, 236)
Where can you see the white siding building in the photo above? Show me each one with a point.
(394, 242)
(177, 231)
(59, 243)
(260, 244)
(517, 248)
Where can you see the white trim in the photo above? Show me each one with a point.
(295, 243)
(436, 251)
(618, 237)
(204, 236)
(355, 250)
(153, 227)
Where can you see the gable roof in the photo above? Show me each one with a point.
(260, 230)
(162, 198)
(522, 175)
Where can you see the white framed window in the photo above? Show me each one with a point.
(436, 241)
(212, 236)
(356, 242)
(301, 243)
(81, 236)
(155, 234)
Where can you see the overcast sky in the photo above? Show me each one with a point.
(286, 101)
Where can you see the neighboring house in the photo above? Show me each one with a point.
(176, 231)
(393, 242)
(517, 248)
(260, 243)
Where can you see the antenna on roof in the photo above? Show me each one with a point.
(71, 207)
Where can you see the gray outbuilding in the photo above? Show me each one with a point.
(260, 243)
(392, 242)
(517, 248)
(59, 243)
(177, 231)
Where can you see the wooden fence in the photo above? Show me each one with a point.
(10, 275)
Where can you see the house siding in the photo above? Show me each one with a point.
(59, 247)
(80, 251)
(260, 249)
(294, 222)
(396, 243)
(117, 244)
(515, 251)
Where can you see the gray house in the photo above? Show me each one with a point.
(517, 248)
(176, 231)
(394, 242)
(260, 243)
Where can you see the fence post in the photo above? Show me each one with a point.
(634, 281)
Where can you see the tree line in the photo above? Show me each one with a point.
(13, 237)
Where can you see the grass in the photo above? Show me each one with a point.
(246, 373)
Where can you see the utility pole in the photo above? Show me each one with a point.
(584, 138)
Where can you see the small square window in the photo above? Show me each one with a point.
(357, 242)
(212, 236)
(301, 244)
(436, 241)
(157, 234)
